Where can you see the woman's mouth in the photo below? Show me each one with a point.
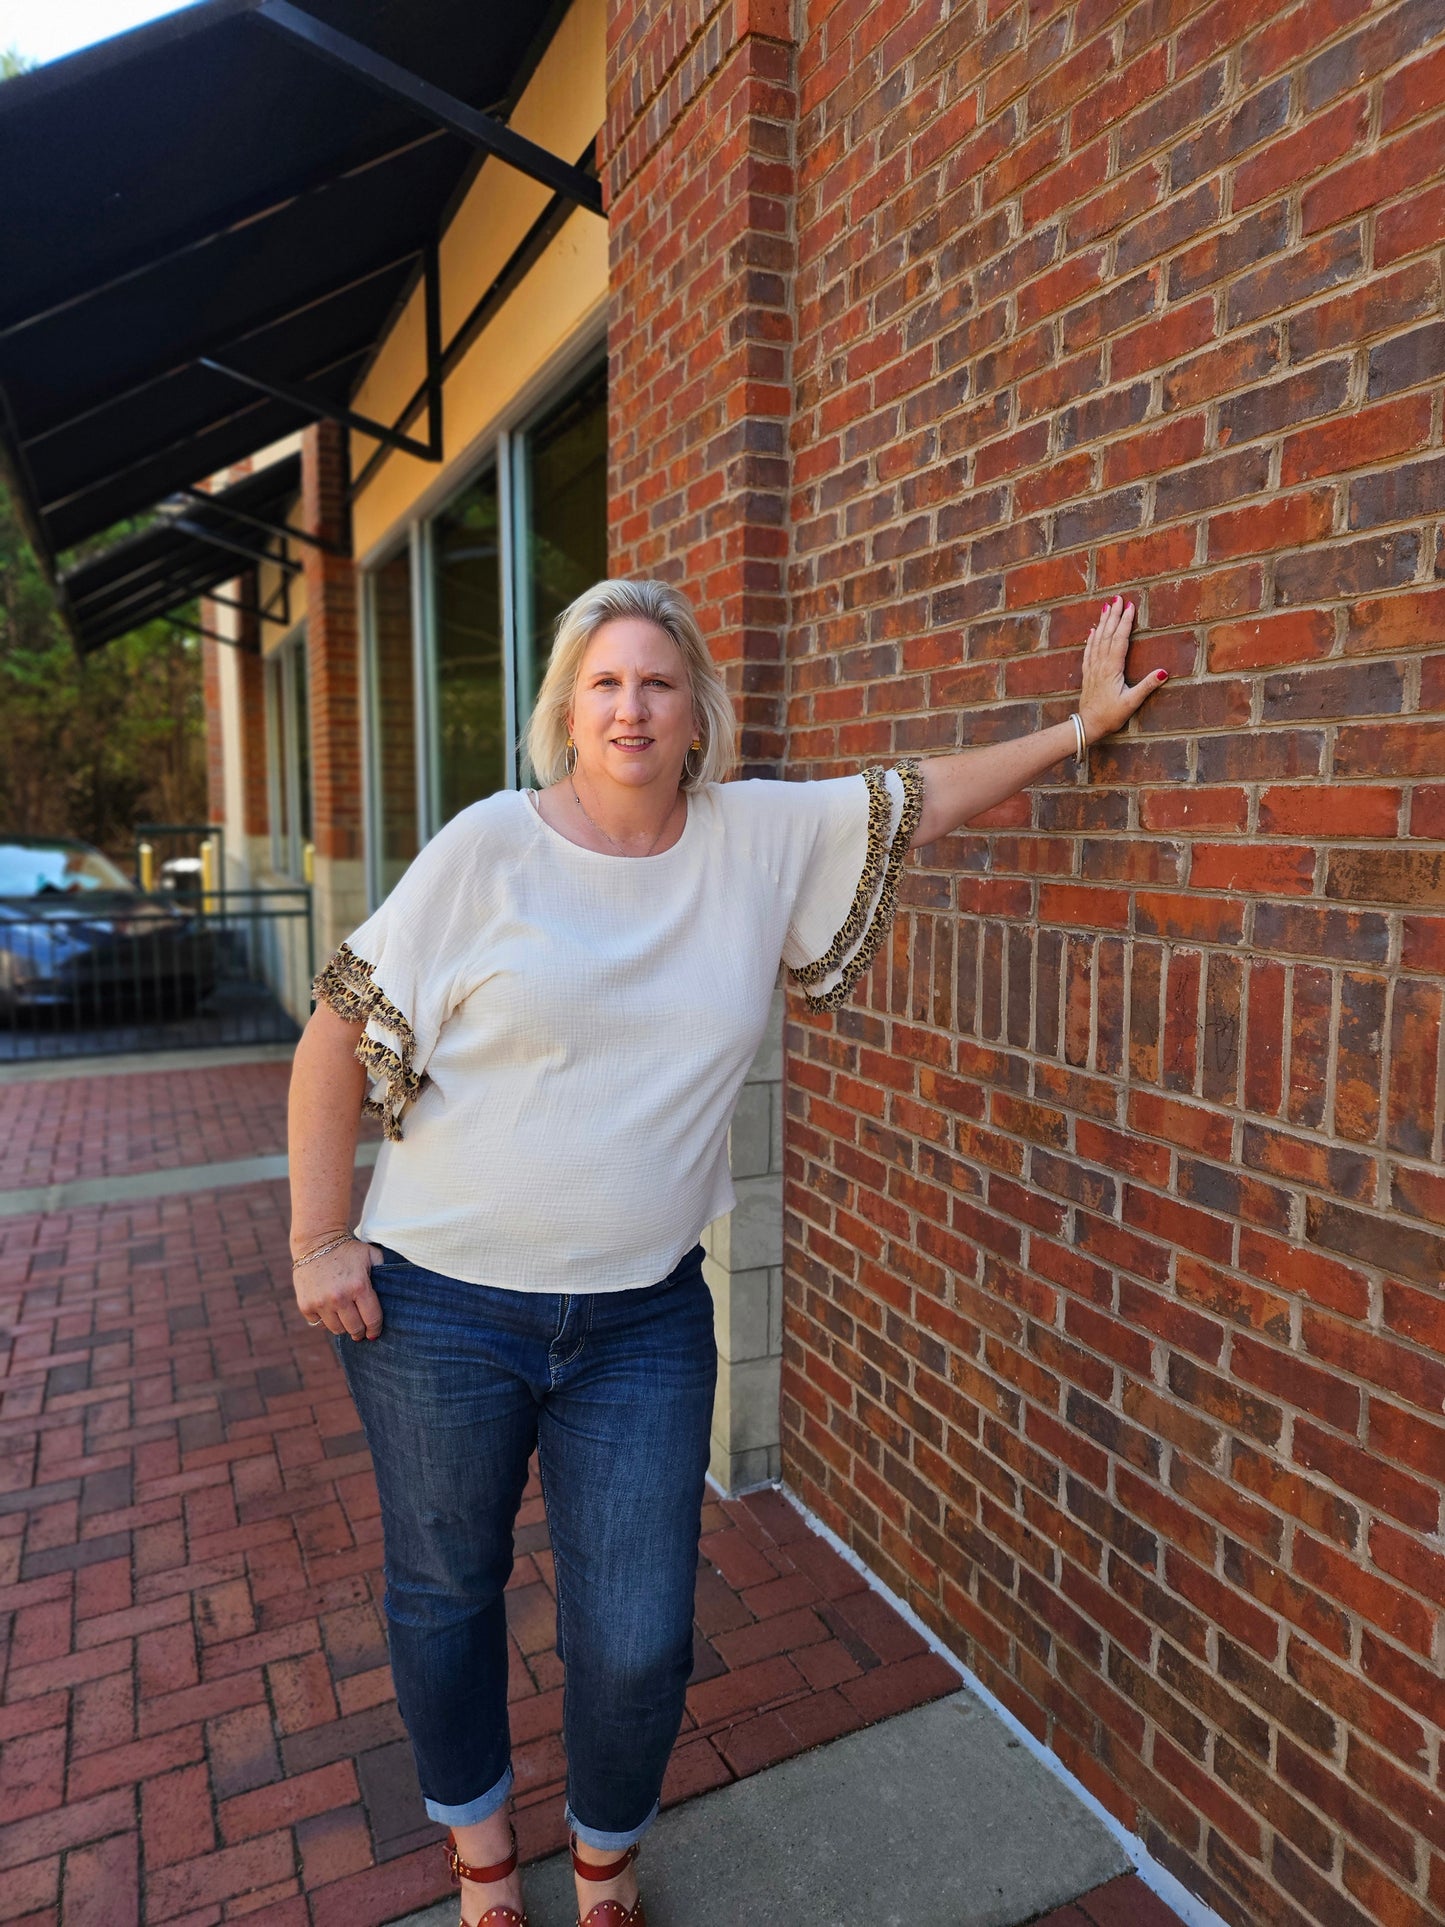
(632, 742)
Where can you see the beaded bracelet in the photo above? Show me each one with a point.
(321, 1250)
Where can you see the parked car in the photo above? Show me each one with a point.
(78, 938)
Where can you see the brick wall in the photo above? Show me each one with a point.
(698, 163)
(1115, 1338)
(332, 649)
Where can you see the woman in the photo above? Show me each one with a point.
(556, 1008)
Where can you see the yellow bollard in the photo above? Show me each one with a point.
(208, 877)
(308, 862)
(147, 867)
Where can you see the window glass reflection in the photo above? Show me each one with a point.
(471, 727)
(562, 521)
(394, 707)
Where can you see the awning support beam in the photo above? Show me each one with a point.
(179, 593)
(236, 545)
(482, 130)
(314, 404)
(211, 635)
(264, 523)
(298, 396)
(253, 609)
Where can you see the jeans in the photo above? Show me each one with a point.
(614, 1390)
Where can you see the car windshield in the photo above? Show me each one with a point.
(33, 869)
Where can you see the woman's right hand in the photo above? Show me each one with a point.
(336, 1291)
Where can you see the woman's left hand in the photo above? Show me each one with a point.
(1106, 701)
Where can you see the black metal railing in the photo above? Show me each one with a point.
(108, 972)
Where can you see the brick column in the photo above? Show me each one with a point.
(699, 167)
(333, 689)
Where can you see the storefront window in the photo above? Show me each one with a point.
(562, 522)
(471, 724)
(393, 732)
(458, 624)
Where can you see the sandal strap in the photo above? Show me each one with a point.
(501, 1917)
(595, 1871)
(484, 1876)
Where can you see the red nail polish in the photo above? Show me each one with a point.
(1163, 675)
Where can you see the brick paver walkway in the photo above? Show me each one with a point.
(116, 1124)
(197, 1720)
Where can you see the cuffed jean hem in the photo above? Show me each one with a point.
(609, 1842)
(482, 1808)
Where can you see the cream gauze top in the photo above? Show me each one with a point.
(556, 1038)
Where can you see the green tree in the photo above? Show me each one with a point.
(91, 746)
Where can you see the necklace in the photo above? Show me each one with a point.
(612, 839)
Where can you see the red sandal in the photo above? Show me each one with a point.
(498, 1916)
(608, 1913)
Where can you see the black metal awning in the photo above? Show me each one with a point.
(199, 541)
(208, 225)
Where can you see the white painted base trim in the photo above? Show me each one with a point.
(1190, 1909)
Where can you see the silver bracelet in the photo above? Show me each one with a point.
(1082, 742)
(348, 1238)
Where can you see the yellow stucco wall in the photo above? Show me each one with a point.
(561, 109)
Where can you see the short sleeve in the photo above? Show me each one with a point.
(861, 830)
(396, 973)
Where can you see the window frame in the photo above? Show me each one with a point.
(505, 445)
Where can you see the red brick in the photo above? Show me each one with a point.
(758, 1685)
(333, 1844)
(897, 1687)
(301, 1692)
(1377, 178)
(176, 1819)
(779, 1634)
(70, 1826)
(282, 1805)
(102, 1887)
(192, 1884)
(142, 1760)
(242, 1750)
(32, 1773)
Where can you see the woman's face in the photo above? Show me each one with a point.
(631, 716)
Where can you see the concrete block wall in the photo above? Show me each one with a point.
(744, 1271)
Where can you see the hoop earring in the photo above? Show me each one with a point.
(569, 756)
(694, 748)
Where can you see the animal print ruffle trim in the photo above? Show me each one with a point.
(869, 919)
(347, 985)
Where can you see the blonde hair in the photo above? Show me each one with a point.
(670, 609)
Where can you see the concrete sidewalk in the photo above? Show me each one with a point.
(937, 1818)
